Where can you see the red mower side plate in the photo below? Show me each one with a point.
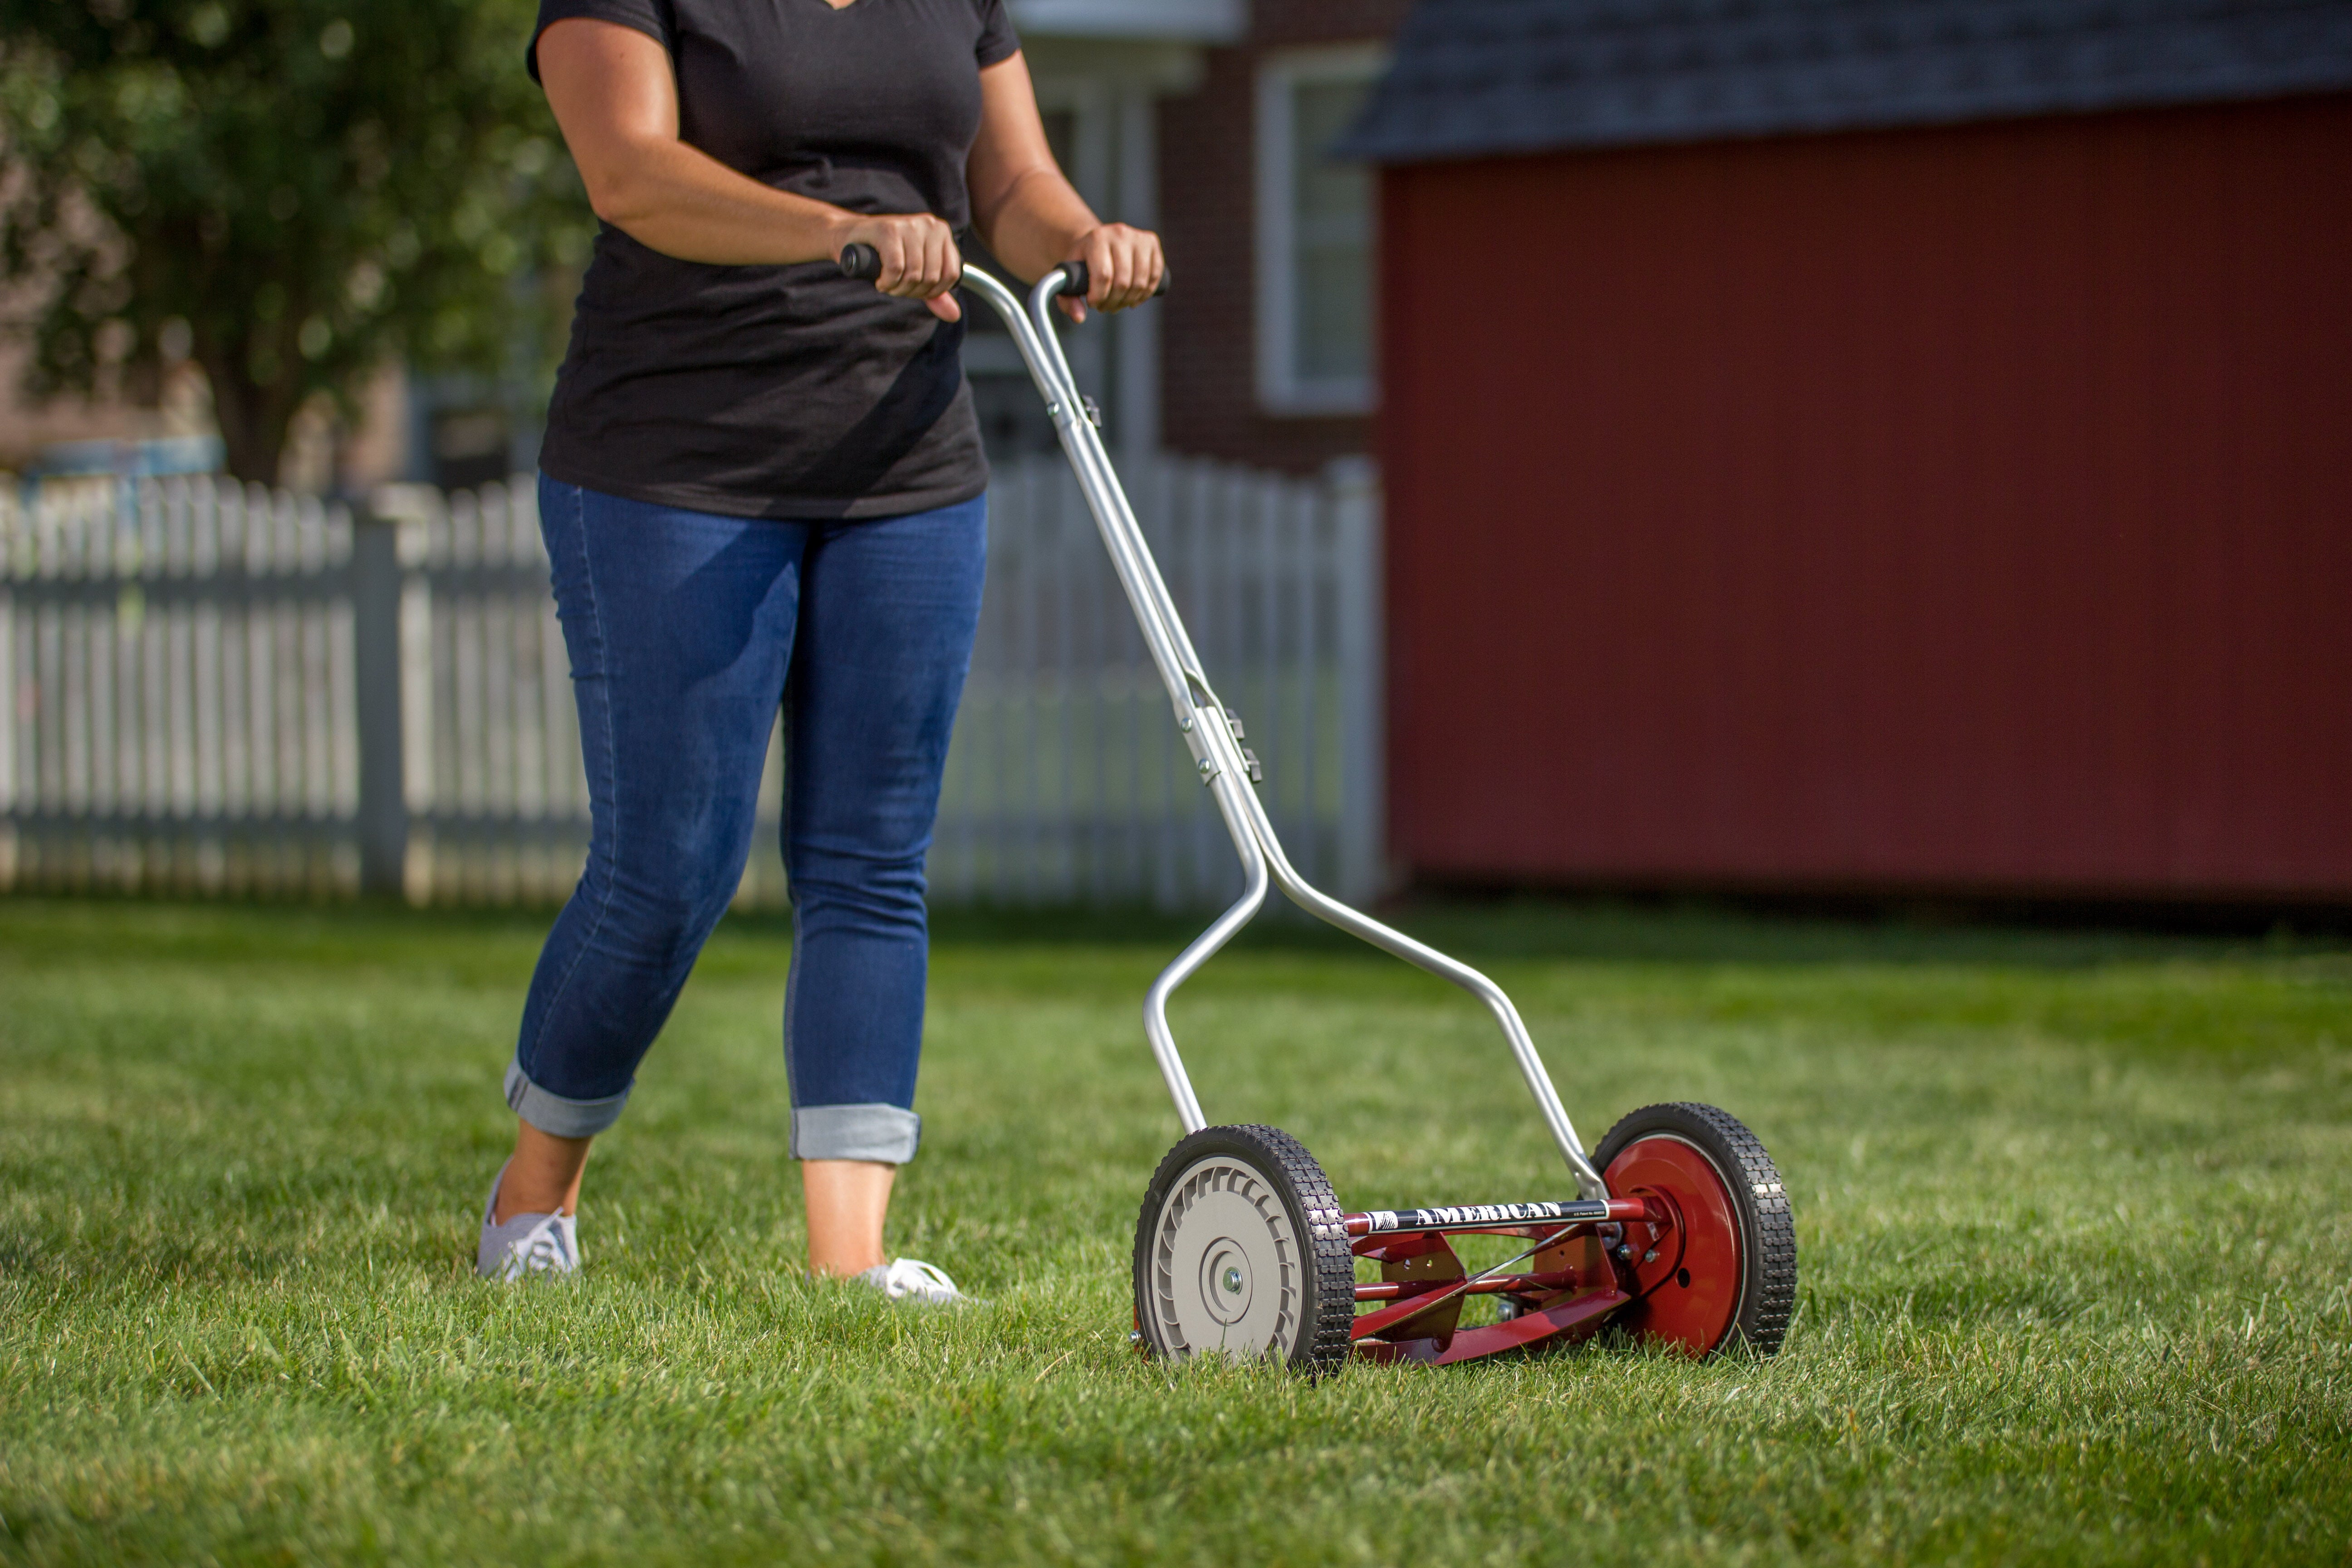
(1684, 1274)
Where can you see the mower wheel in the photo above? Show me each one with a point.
(1239, 1251)
(1726, 1273)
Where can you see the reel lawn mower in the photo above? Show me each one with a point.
(1679, 1232)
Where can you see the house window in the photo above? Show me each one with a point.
(1315, 235)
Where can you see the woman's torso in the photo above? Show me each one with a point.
(786, 391)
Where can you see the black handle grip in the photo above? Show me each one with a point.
(1079, 278)
(859, 259)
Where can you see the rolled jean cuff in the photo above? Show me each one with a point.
(556, 1116)
(886, 1134)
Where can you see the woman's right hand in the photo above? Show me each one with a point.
(919, 260)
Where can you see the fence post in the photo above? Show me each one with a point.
(1355, 489)
(375, 625)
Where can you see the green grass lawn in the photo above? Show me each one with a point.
(2075, 1212)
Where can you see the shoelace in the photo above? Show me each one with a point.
(547, 1248)
(913, 1277)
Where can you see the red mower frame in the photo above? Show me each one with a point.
(1663, 1260)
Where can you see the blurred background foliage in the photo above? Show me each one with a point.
(289, 192)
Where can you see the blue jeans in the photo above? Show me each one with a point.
(685, 631)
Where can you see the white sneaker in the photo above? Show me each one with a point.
(525, 1244)
(912, 1280)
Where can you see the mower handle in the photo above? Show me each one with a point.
(859, 259)
(1210, 732)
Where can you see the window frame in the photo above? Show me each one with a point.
(1281, 390)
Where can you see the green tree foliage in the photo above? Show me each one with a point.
(292, 190)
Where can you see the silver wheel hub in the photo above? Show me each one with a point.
(1226, 1271)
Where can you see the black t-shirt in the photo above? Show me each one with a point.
(786, 392)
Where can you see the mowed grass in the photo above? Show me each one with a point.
(2075, 1212)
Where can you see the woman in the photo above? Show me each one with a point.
(762, 483)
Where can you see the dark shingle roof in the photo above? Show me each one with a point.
(1479, 76)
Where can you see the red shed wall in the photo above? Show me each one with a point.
(1957, 509)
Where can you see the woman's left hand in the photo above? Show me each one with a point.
(1123, 269)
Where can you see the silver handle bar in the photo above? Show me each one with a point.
(1217, 749)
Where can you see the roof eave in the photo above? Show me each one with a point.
(1503, 141)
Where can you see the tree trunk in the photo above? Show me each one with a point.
(254, 420)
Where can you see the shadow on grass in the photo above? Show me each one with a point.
(1597, 930)
(1623, 931)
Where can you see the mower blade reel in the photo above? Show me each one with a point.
(1565, 1321)
(1425, 1261)
(1577, 1319)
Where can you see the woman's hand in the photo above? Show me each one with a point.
(919, 260)
(1123, 268)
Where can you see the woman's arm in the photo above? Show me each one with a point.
(1028, 214)
(614, 95)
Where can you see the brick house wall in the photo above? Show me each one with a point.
(1208, 167)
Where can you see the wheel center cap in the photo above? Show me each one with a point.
(1225, 1283)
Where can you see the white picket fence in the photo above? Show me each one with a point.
(221, 690)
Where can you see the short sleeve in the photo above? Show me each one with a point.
(997, 40)
(651, 17)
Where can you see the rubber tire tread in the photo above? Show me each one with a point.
(1324, 1349)
(1768, 1297)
